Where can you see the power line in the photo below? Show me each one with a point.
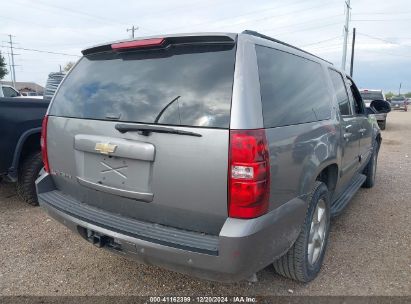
(301, 23)
(309, 28)
(388, 53)
(377, 38)
(379, 20)
(48, 52)
(104, 19)
(334, 46)
(66, 9)
(337, 43)
(322, 41)
(72, 11)
(382, 13)
(82, 32)
(384, 40)
(291, 13)
(242, 15)
(99, 18)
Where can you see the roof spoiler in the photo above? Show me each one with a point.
(158, 43)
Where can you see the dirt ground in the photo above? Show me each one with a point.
(369, 252)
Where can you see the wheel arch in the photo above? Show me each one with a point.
(329, 176)
(28, 142)
(378, 140)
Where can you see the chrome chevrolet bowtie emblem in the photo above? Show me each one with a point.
(105, 148)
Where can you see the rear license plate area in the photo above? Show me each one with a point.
(125, 170)
(99, 240)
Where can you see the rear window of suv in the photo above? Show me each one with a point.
(182, 86)
(398, 98)
(372, 95)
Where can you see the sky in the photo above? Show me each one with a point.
(383, 41)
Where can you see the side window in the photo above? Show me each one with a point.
(293, 88)
(9, 92)
(341, 92)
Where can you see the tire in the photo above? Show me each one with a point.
(371, 169)
(382, 124)
(295, 263)
(28, 173)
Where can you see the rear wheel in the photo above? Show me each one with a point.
(304, 259)
(371, 169)
(29, 171)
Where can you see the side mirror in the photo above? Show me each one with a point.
(380, 106)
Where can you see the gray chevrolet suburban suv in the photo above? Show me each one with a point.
(210, 154)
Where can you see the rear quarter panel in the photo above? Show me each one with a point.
(298, 153)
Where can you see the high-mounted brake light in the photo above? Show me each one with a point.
(249, 174)
(43, 144)
(146, 43)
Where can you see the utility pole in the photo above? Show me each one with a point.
(347, 20)
(133, 29)
(12, 61)
(352, 53)
(11, 72)
(399, 90)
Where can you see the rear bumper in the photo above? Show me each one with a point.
(242, 248)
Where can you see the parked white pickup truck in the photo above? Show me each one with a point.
(8, 91)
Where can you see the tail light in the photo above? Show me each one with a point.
(249, 174)
(43, 144)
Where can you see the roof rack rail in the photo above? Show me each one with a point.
(257, 34)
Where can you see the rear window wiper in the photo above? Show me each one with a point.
(146, 130)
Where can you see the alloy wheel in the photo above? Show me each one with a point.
(317, 232)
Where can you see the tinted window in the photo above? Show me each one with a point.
(341, 92)
(182, 85)
(293, 89)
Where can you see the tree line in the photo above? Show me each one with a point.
(391, 94)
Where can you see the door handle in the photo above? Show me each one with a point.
(347, 136)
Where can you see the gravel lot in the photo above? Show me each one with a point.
(369, 252)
